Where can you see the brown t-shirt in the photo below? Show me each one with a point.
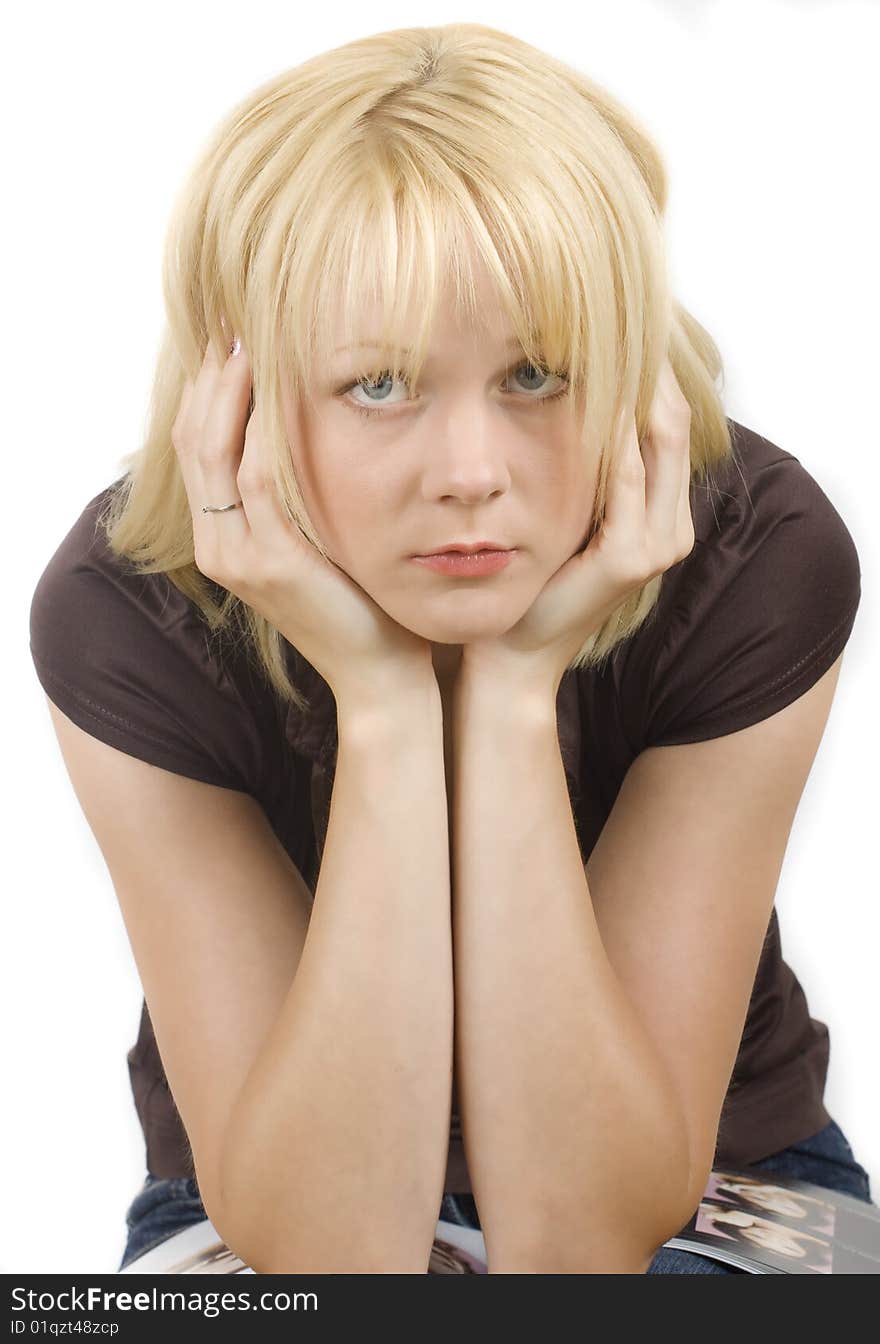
(747, 622)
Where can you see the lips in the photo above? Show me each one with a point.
(465, 564)
(467, 548)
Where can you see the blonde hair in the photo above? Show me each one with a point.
(366, 173)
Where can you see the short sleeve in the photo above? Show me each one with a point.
(128, 659)
(762, 608)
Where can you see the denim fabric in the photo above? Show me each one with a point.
(165, 1206)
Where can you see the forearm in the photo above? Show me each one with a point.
(574, 1140)
(336, 1152)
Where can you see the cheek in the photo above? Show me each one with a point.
(572, 508)
(346, 518)
(337, 497)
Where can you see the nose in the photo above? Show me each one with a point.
(466, 454)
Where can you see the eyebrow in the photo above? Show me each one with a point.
(405, 349)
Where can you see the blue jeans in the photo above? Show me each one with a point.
(167, 1205)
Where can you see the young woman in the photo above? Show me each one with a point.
(399, 839)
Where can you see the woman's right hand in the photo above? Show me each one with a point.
(261, 556)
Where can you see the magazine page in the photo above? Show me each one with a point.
(782, 1225)
(775, 1225)
(200, 1250)
(196, 1250)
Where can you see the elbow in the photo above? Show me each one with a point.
(235, 1209)
(229, 1227)
(259, 1228)
(680, 1170)
(678, 1198)
(246, 1228)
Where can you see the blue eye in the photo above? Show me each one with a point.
(387, 379)
(383, 379)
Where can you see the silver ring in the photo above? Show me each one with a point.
(221, 508)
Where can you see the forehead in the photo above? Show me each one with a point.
(477, 317)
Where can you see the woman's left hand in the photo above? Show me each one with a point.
(647, 528)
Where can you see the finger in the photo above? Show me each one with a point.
(625, 500)
(203, 390)
(666, 451)
(665, 477)
(686, 469)
(185, 402)
(220, 451)
(256, 484)
(685, 509)
(186, 433)
(186, 448)
(686, 464)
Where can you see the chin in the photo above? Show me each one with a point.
(458, 629)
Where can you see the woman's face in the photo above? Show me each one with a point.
(776, 1239)
(475, 456)
(772, 1197)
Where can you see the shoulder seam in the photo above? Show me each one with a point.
(101, 715)
(785, 678)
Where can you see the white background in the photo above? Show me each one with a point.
(766, 114)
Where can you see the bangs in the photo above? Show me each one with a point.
(403, 223)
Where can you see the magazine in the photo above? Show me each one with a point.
(770, 1225)
(775, 1224)
(200, 1250)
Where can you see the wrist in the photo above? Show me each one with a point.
(390, 714)
(520, 699)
